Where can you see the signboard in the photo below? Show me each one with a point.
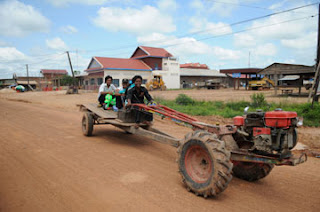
(236, 75)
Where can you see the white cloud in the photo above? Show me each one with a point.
(69, 29)
(56, 44)
(299, 35)
(197, 5)
(220, 8)
(148, 19)
(202, 24)
(308, 41)
(244, 40)
(268, 49)
(289, 61)
(278, 5)
(3, 43)
(19, 19)
(11, 54)
(226, 54)
(167, 5)
(223, 9)
(59, 3)
(13, 61)
(188, 47)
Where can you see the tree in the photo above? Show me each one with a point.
(67, 80)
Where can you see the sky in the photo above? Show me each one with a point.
(220, 33)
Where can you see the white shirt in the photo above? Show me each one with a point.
(104, 88)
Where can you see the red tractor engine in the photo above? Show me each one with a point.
(271, 132)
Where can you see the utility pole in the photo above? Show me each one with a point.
(315, 96)
(28, 76)
(75, 90)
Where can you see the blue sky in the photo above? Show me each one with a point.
(39, 32)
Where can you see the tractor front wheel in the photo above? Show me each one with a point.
(204, 164)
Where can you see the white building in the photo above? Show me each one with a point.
(145, 61)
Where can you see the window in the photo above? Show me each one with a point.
(86, 82)
(116, 82)
(92, 81)
(156, 66)
(100, 80)
(144, 81)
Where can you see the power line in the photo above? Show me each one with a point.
(47, 59)
(203, 31)
(250, 29)
(226, 34)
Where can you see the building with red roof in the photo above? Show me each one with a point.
(145, 61)
(51, 77)
(194, 66)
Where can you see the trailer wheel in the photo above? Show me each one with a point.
(204, 164)
(251, 171)
(87, 124)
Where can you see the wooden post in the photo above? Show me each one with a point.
(246, 81)
(275, 82)
(75, 90)
(316, 97)
(28, 76)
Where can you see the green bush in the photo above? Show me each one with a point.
(258, 100)
(185, 104)
(183, 99)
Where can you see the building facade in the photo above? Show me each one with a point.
(145, 61)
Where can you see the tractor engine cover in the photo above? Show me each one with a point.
(279, 118)
(262, 139)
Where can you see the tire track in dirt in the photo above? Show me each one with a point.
(46, 164)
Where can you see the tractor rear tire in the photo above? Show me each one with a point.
(251, 171)
(87, 124)
(204, 164)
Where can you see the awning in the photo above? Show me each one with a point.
(23, 82)
(290, 77)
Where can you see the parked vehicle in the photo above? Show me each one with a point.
(156, 83)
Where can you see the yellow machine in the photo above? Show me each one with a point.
(156, 83)
(259, 84)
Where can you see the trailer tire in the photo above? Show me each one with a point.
(204, 164)
(251, 171)
(87, 124)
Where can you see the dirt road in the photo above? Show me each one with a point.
(46, 164)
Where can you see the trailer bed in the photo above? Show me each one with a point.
(99, 111)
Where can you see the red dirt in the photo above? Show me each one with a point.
(46, 164)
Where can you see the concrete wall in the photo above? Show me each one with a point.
(170, 72)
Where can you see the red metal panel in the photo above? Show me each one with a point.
(261, 131)
(238, 121)
(279, 118)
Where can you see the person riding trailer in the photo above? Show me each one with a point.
(106, 88)
(136, 95)
(121, 94)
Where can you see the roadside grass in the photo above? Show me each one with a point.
(186, 104)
